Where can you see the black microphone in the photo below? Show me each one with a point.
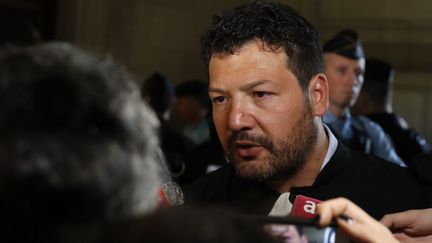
(170, 194)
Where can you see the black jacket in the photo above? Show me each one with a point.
(377, 186)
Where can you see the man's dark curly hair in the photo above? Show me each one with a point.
(277, 26)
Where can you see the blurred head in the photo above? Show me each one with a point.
(344, 65)
(77, 143)
(158, 91)
(377, 90)
(192, 101)
(264, 63)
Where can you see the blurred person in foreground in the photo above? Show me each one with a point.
(77, 145)
(189, 224)
(269, 94)
(376, 102)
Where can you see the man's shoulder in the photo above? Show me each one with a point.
(368, 166)
(367, 124)
(360, 160)
(375, 184)
(376, 174)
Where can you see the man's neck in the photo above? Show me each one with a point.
(312, 167)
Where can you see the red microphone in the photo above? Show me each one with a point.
(304, 207)
(170, 194)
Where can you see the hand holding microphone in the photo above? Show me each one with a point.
(360, 226)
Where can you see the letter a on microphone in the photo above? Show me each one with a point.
(304, 207)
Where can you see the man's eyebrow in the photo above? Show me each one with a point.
(245, 87)
(254, 84)
(215, 90)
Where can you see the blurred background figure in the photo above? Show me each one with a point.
(204, 158)
(192, 112)
(77, 146)
(344, 65)
(159, 92)
(375, 102)
(191, 108)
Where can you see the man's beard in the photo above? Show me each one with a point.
(285, 157)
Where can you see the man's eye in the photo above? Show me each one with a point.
(261, 94)
(218, 99)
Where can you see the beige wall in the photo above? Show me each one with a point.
(163, 35)
(145, 35)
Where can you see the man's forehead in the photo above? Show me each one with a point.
(252, 54)
(261, 45)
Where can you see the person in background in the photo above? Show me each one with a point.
(77, 146)
(375, 102)
(344, 65)
(191, 109)
(205, 157)
(269, 95)
(158, 91)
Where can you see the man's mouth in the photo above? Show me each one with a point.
(247, 149)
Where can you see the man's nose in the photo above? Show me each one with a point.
(240, 117)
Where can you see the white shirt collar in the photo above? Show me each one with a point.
(283, 206)
(333, 143)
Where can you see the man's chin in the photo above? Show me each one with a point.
(253, 169)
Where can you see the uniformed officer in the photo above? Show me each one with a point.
(344, 66)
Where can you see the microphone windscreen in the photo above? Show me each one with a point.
(304, 207)
(170, 194)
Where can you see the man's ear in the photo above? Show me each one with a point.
(319, 94)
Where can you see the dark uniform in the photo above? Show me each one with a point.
(407, 141)
(377, 95)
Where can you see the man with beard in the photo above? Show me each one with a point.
(269, 94)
